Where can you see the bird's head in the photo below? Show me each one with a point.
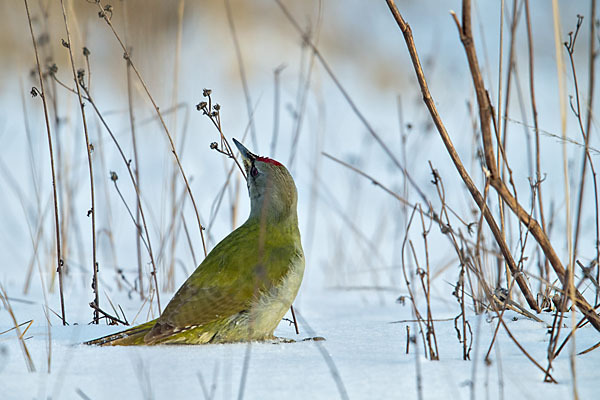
(270, 186)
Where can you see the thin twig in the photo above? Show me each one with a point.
(242, 70)
(276, 107)
(7, 306)
(92, 212)
(59, 261)
(294, 320)
(106, 16)
(349, 100)
(137, 181)
(538, 175)
(585, 132)
(113, 320)
(411, 295)
(137, 191)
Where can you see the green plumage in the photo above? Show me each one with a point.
(245, 285)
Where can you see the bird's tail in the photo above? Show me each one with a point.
(129, 337)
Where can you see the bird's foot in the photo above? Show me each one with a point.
(314, 339)
(278, 340)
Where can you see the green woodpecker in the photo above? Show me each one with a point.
(246, 284)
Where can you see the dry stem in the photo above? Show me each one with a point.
(485, 115)
(105, 15)
(59, 261)
(89, 150)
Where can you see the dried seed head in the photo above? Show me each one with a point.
(206, 92)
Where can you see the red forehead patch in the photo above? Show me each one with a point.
(268, 161)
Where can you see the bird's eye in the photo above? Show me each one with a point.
(254, 171)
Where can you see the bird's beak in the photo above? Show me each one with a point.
(247, 156)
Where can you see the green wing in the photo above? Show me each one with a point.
(234, 273)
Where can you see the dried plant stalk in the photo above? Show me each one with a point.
(485, 115)
(59, 261)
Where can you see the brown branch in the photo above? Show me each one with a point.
(485, 109)
(594, 347)
(486, 115)
(498, 184)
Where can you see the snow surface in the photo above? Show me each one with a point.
(362, 338)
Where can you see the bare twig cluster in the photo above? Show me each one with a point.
(496, 179)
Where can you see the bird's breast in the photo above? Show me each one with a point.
(268, 311)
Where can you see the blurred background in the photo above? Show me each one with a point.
(277, 97)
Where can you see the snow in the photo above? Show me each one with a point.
(366, 345)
